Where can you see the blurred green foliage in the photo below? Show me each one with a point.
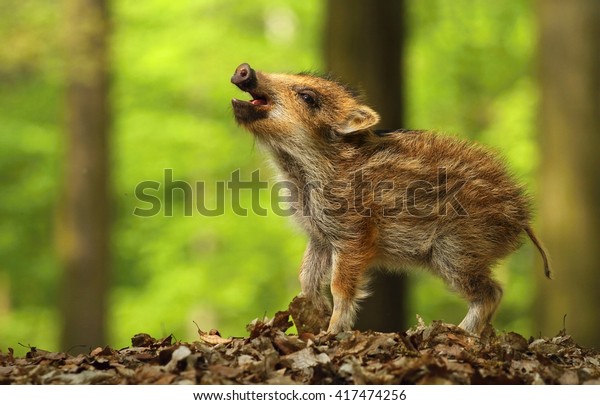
(469, 72)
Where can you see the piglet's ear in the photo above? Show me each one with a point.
(362, 117)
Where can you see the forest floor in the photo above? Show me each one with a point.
(426, 354)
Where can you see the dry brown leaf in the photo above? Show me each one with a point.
(225, 371)
(142, 340)
(215, 340)
(307, 317)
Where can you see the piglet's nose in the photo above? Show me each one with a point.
(244, 77)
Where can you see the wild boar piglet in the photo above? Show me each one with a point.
(370, 199)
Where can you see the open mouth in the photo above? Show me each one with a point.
(254, 109)
(257, 99)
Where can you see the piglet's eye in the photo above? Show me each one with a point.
(308, 99)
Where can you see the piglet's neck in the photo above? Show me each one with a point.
(304, 166)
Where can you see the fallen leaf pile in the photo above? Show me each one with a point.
(426, 354)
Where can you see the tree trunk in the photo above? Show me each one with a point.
(84, 230)
(570, 172)
(364, 43)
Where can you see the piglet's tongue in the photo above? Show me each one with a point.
(259, 101)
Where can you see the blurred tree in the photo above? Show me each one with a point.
(84, 229)
(570, 194)
(364, 43)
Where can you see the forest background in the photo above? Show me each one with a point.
(470, 68)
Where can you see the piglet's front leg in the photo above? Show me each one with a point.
(311, 310)
(348, 280)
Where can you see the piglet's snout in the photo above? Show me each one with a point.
(244, 77)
